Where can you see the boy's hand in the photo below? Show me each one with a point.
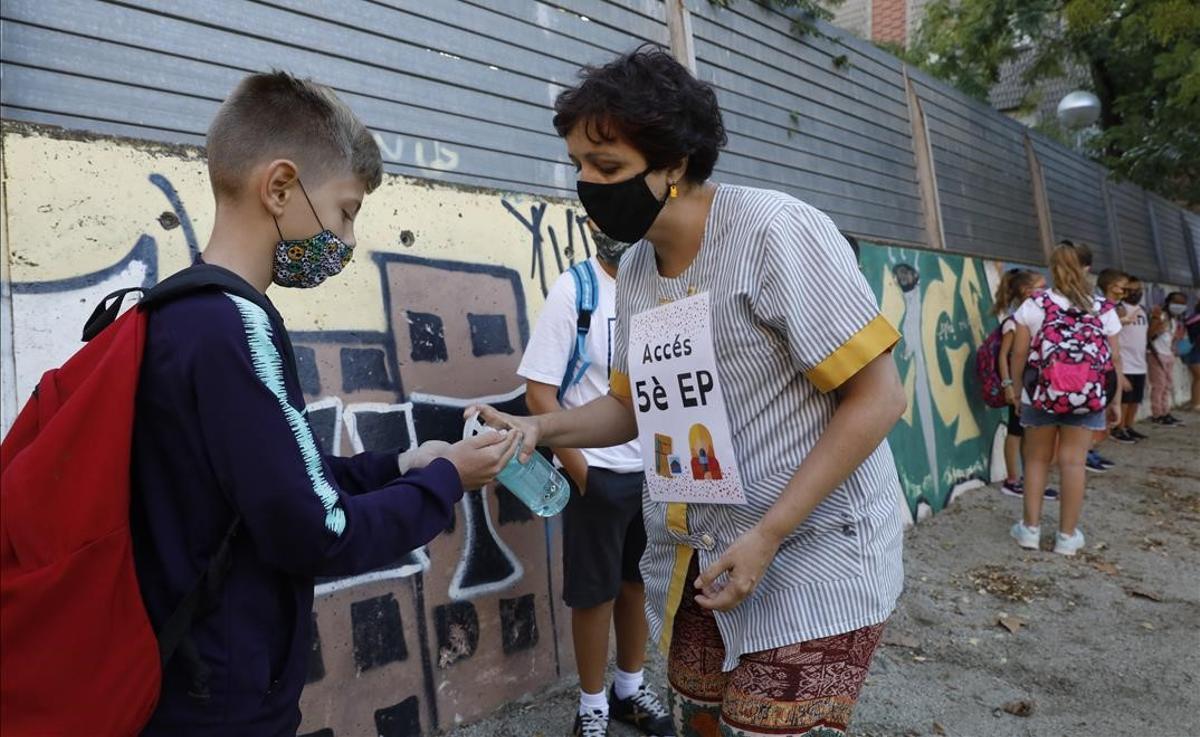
(480, 458)
(423, 455)
(527, 427)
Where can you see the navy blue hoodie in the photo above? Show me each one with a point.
(220, 430)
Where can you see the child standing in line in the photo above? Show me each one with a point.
(1063, 337)
(1016, 286)
(1133, 361)
(1165, 332)
(604, 535)
(1192, 359)
(1111, 285)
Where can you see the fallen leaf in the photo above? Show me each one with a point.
(1012, 624)
(938, 729)
(1105, 567)
(1147, 626)
(1144, 593)
(1101, 546)
(920, 659)
(1020, 707)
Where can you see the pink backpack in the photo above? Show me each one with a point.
(1072, 359)
(987, 367)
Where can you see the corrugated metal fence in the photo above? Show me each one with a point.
(460, 90)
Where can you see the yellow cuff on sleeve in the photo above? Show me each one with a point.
(618, 383)
(863, 347)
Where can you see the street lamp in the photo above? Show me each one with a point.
(1077, 111)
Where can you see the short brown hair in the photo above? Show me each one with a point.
(276, 115)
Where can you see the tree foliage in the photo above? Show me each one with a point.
(1142, 58)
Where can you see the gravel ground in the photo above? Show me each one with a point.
(993, 641)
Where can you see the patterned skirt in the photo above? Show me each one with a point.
(807, 689)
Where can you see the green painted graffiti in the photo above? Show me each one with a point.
(939, 302)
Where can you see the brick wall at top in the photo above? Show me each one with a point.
(889, 21)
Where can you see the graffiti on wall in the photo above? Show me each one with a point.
(940, 303)
(432, 316)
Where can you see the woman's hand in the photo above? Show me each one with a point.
(744, 564)
(1010, 396)
(1126, 386)
(528, 428)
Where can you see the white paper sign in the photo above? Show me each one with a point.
(687, 447)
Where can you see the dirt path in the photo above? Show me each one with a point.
(1101, 645)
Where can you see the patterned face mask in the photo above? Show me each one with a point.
(306, 262)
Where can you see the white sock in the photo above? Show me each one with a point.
(589, 702)
(626, 684)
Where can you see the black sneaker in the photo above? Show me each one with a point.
(1013, 488)
(642, 710)
(1135, 434)
(1121, 435)
(1051, 494)
(1173, 421)
(592, 724)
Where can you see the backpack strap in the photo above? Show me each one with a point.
(587, 297)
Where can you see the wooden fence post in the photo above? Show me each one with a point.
(679, 26)
(1041, 204)
(931, 204)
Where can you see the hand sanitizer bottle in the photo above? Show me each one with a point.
(536, 482)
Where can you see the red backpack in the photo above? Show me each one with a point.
(79, 653)
(987, 367)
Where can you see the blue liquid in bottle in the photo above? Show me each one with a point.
(536, 482)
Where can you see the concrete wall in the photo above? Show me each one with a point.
(434, 313)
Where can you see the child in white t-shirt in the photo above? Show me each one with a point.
(1166, 328)
(604, 535)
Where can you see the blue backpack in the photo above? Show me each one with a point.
(587, 296)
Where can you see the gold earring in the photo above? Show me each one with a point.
(674, 190)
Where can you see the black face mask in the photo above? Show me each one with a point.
(624, 211)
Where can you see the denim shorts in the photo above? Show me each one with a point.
(1031, 417)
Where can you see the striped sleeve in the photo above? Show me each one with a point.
(811, 291)
(618, 380)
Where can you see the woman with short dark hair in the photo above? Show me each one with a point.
(752, 362)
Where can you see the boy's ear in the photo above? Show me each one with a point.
(277, 185)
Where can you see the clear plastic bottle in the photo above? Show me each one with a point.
(536, 482)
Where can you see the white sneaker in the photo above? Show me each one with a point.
(1029, 538)
(1068, 544)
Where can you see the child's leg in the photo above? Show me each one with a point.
(1128, 415)
(589, 632)
(1012, 458)
(694, 666)
(1072, 455)
(810, 691)
(1040, 445)
(1169, 383)
(1012, 446)
(1194, 369)
(1158, 378)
